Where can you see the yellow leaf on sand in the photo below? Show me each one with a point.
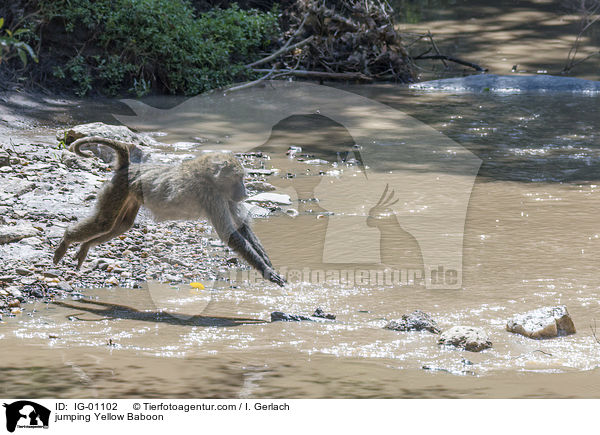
(197, 285)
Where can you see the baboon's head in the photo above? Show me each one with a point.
(228, 175)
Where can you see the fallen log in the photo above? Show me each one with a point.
(318, 74)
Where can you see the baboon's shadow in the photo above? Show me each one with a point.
(115, 311)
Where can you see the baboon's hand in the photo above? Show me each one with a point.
(272, 276)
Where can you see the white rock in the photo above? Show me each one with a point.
(256, 211)
(112, 281)
(316, 162)
(466, 337)
(277, 198)
(545, 322)
(292, 151)
(10, 234)
(32, 241)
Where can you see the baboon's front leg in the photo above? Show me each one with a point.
(242, 246)
(248, 234)
(124, 223)
(230, 228)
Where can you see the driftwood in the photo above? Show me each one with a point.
(452, 59)
(283, 50)
(339, 40)
(353, 40)
(321, 74)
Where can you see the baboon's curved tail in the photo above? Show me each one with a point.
(121, 148)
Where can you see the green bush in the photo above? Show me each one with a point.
(137, 45)
(11, 45)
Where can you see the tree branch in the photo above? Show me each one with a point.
(320, 74)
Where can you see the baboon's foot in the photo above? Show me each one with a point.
(81, 254)
(60, 251)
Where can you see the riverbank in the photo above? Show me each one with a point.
(44, 188)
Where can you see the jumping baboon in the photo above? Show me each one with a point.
(211, 185)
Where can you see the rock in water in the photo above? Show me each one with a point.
(277, 198)
(466, 337)
(318, 316)
(415, 321)
(545, 322)
(279, 316)
(323, 315)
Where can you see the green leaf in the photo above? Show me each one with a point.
(23, 57)
(1, 22)
(31, 52)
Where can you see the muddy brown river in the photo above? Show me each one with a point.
(512, 181)
(531, 238)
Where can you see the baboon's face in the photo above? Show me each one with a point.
(238, 189)
(230, 181)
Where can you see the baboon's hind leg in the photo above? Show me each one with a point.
(124, 222)
(110, 205)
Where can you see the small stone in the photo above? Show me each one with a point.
(125, 274)
(466, 337)
(15, 292)
(16, 310)
(65, 286)
(256, 211)
(23, 272)
(4, 159)
(261, 171)
(323, 315)
(112, 281)
(14, 303)
(52, 273)
(37, 293)
(172, 278)
(415, 321)
(292, 151)
(7, 278)
(545, 322)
